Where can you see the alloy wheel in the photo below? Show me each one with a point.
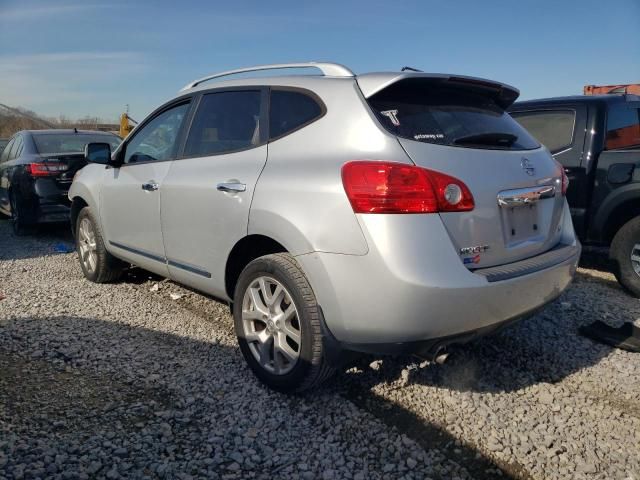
(87, 245)
(271, 325)
(635, 258)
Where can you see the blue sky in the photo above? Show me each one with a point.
(80, 58)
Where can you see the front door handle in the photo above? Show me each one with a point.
(150, 186)
(232, 187)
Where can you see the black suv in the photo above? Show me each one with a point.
(36, 170)
(597, 141)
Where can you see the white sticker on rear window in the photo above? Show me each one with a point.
(428, 136)
(392, 115)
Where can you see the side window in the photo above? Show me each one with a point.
(156, 141)
(290, 110)
(4, 157)
(17, 149)
(552, 128)
(623, 127)
(225, 122)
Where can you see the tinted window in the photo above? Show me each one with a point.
(554, 129)
(70, 142)
(156, 141)
(448, 114)
(16, 150)
(623, 127)
(5, 153)
(225, 122)
(290, 110)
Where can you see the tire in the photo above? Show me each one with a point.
(104, 267)
(278, 371)
(622, 248)
(20, 227)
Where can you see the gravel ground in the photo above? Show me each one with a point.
(143, 379)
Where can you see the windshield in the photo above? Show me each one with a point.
(446, 114)
(71, 142)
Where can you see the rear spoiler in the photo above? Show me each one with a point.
(372, 83)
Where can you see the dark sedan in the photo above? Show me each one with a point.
(36, 170)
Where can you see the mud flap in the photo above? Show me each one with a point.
(626, 337)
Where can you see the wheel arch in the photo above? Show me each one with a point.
(620, 215)
(77, 204)
(617, 209)
(245, 251)
(81, 196)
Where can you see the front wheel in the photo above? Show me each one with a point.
(277, 321)
(97, 264)
(625, 252)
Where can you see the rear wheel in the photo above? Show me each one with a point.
(625, 252)
(20, 226)
(97, 264)
(277, 321)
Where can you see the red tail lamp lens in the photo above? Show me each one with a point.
(391, 187)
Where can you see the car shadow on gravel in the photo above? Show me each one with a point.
(542, 350)
(136, 397)
(50, 239)
(597, 258)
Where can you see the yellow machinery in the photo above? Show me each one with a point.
(126, 124)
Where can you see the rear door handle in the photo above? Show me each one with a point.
(150, 186)
(232, 187)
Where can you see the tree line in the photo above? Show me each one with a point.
(13, 120)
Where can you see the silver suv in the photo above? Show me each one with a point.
(381, 213)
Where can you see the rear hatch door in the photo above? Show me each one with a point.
(460, 128)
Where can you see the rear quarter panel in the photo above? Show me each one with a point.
(299, 199)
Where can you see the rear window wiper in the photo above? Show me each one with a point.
(492, 138)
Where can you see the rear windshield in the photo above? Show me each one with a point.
(434, 111)
(70, 142)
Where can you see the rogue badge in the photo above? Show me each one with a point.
(473, 250)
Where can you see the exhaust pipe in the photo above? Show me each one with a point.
(441, 356)
(438, 356)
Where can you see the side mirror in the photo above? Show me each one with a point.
(98, 153)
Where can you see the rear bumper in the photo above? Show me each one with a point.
(411, 291)
(46, 202)
(52, 213)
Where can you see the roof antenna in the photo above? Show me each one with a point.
(410, 69)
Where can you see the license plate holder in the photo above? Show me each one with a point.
(521, 224)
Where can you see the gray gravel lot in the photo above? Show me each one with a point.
(125, 380)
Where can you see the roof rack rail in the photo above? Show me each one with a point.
(327, 69)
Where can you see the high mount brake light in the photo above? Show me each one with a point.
(391, 187)
(45, 169)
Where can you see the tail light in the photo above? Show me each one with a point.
(45, 169)
(564, 179)
(565, 183)
(390, 187)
